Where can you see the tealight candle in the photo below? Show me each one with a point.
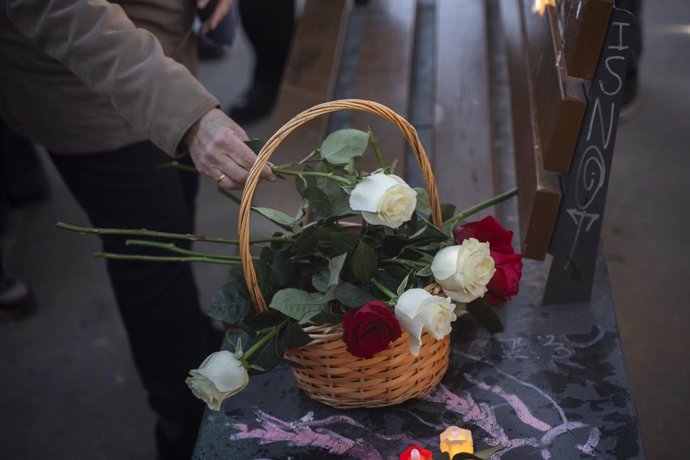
(456, 440)
(416, 453)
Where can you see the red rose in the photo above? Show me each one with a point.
(506, 281)
(369, 329)
(487, 230)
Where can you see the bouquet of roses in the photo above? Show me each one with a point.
(376, 261)
(370, 261)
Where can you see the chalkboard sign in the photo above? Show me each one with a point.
(575, 241)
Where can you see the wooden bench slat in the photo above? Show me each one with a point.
(312, 66)
(539, 192)
(583, 25)
(560, 100)
(309, 79)
(463, 147)
(384, 74)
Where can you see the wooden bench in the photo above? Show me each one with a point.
(553, 384)
(566, 72)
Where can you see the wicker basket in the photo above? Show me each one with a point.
(326, 371)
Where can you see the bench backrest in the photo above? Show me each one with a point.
(431, 61)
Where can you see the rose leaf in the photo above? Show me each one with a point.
(352, 296)
(487, 453)
(343, 145)
(229, 305)
(344, 241)
(299, 304)
(319, 201)
(486, 315)
(365, 262)
(279, 217)
(256, 144)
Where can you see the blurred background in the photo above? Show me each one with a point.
(69, 388)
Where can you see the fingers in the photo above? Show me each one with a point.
(222, 9)
(219, 152)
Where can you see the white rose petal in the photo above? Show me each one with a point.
(419, 311)
(463, 271)
(220, 376)
(384, 199)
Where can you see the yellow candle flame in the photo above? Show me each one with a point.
(456, 440)
(539, 6)
(415, 455)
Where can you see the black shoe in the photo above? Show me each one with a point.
(255, 104)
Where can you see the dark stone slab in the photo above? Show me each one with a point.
(553, 385)
(576, 237)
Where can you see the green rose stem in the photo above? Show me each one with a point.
(260, 343)
(483, 205)
(331, 176)
(177, 165)
(377, 150)
(172, 248)
(230, 195)
(190, 256)
(187, 168)
(110, 255)
(391, 295)
(152, 233)
(411, 263)
(307, 159)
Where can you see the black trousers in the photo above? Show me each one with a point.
(158, 302)
(269, 25)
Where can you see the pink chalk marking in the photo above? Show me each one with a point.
(478, 414)
(589, 448)
(541, 392)
(484, 417)
(300, 434)
(556, 431)
(521, 410)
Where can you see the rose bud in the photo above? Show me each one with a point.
(464, 271)
(419, 311)
(369, 329)
(220, 376)
(384, 199)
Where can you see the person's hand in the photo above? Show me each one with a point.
(222, 9)
(216, 145)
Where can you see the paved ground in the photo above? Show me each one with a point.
(69, 389)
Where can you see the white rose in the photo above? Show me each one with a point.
(220, 376)
(384, 199)
(418, 311)
(464, 271)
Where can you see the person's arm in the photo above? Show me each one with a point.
(97, 42)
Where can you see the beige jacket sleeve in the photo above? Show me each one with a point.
(96, 41)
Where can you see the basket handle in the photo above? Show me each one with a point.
(252, 181)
